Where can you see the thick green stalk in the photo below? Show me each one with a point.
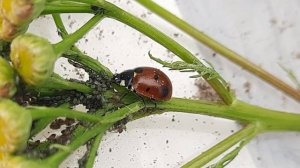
(57, 82)
(243, 135)
(123, 112)
(221, 49)
(87, 61)
(69, 41)
(46, 112)
(270, 120)
(65, 8)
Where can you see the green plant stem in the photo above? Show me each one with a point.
(117, 13)
(200, 161)
(57, 82)
(76, 55)
(221, 49)
(60, 156)
(270, 120)
(46, 112)
(93, 152)
(87, 61)
(123, 112)
(60, 26)
(40, 124)
(103, 124)
(69, 41)
(65, 8)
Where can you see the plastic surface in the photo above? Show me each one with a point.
(266, 32)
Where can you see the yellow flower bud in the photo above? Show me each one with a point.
(2, 155)
(20, 12)
(15, 125)
(7, 79)
(8, 31)
(33, 57)
(20, 162)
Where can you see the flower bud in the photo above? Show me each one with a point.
(20, 162)
(33, 57)
(8, 31)
(7, 79)
(15, 125)
(20, 12)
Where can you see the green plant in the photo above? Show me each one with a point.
(113, 109)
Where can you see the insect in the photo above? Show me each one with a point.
(147, 82)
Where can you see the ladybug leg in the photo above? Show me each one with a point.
(154, 102)
(142, 98)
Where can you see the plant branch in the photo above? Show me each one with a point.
(46, 112)
(246, 133)
(76, 55)
(60, 156)
(119, 14)
(69, 41)
(271, 120)
(66, 8)
(57, 82)
(221, 49)
(93, 152)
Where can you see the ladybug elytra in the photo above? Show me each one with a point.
(148, 82)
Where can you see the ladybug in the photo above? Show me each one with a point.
(147, 82)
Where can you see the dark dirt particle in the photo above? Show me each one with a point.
(173, 118)
(247, 87)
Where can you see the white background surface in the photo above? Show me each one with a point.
(265, 31)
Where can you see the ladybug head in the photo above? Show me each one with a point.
(124, 78)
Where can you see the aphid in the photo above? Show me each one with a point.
(148, 82)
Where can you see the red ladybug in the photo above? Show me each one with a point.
(147, 82)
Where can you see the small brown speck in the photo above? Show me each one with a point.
(247, 87)
(273, 21)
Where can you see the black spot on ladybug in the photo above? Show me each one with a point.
(156, 77)
(148, 89)
(164, 91)
(138, 70)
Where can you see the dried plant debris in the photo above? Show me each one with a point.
(205, 92)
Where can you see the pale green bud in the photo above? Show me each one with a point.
(33, 57)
